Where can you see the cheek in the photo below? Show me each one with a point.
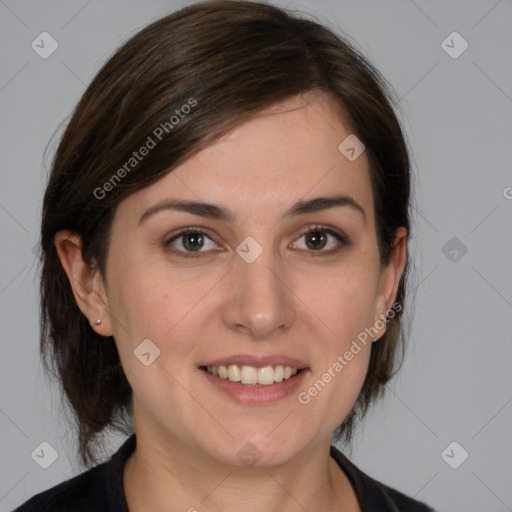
(158, 303)
(150, 305)
(343, 301)
(341, 362)
(342, 307)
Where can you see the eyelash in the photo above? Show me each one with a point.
(340, 237)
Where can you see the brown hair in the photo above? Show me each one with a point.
(233, 58)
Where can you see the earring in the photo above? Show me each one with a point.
(98, 322)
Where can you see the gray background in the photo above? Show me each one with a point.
(456, 381)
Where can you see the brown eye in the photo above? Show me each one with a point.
(319, 238)
(316, 240)
(189, 242)
(192, 241)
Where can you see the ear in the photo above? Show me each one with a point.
(85, 280)
(389, 281)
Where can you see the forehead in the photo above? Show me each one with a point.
(285, 153)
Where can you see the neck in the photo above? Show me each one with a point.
(157, 475)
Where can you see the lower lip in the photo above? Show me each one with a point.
(250, 394)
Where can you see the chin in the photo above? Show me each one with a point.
(260, 450)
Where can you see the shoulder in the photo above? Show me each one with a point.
(82, 492)
(374, 495)
(99, 488)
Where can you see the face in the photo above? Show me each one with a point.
(278, 280)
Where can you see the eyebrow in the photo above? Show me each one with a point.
(213, 211)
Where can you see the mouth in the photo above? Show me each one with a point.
(255, 379)
(245, 375)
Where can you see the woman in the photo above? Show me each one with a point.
(224, 242)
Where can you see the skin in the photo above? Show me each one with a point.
(292, 300)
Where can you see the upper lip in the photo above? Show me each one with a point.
(257, 361)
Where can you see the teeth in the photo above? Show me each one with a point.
(250, 375)
(266, 375)
(234, 373)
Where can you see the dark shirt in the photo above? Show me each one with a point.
(100, 489)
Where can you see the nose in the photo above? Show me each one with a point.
(258, 300)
